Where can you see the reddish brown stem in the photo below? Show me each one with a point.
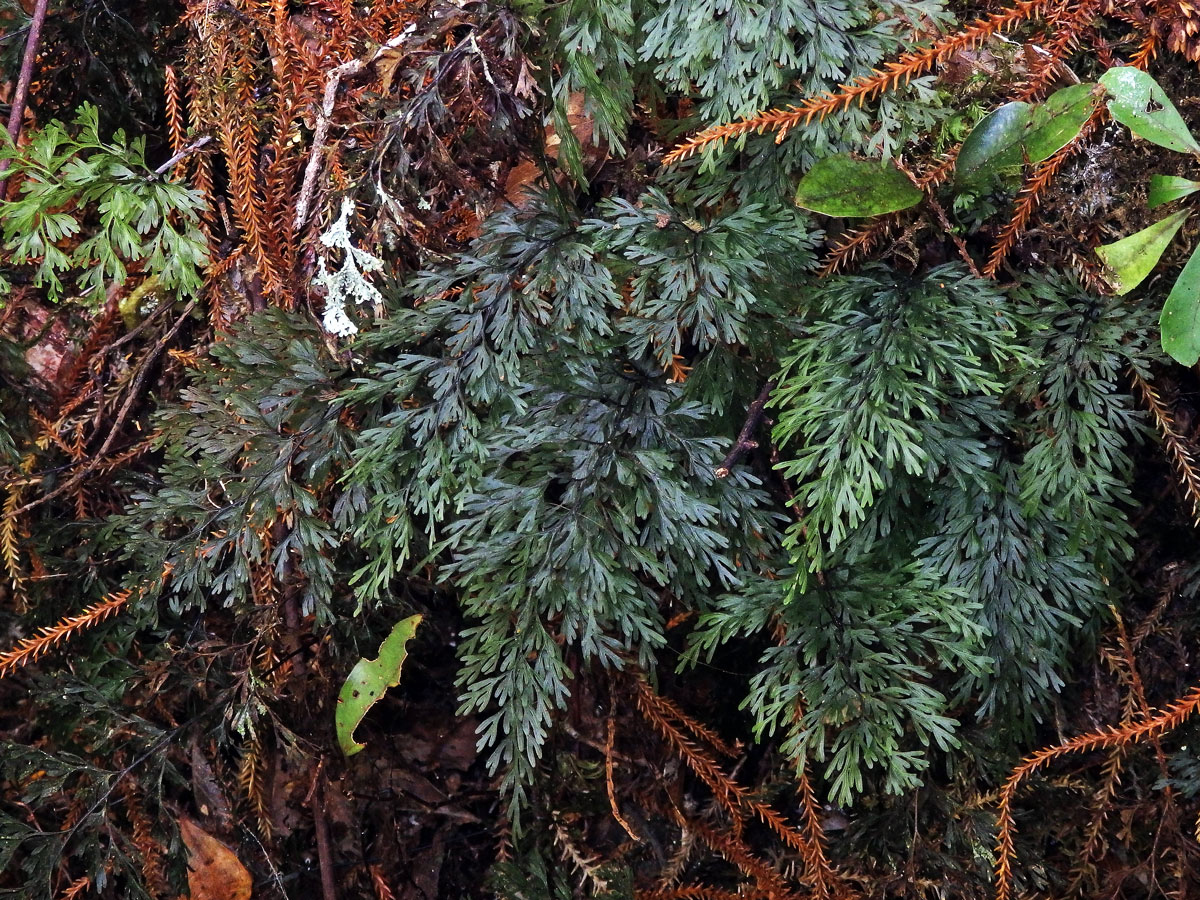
(745, 439)
(17, 113)
(318, 802)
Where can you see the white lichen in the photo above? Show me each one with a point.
(349, 282)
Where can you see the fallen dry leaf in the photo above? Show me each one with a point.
(214, 871)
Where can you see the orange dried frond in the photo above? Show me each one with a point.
(735, 799)
(120, 460)
(769, 882)
(382, 891)
(1177, 448)
(253, 782)
(1067, 29)
(1126, 735)
(10, 534)
(147, 844)
(727, 792)
(76, 887)
(29, 649)
(858, 243)
(175, 132)
(689, 892)
(1031, 194)
(665, 708)
(818, 869)
(1146, 52)
(902, 70)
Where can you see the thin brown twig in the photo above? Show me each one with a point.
(610, 740)
(17, 113)
(135, 388)
(194, 146)
(745, 439)
(940, 214)
(317, 797)
(325, 118)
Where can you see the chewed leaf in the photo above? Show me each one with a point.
(1180, 320)
(841, 185)
(1165, 188)
(1137, 102)
(1131, 259)
(369, 680)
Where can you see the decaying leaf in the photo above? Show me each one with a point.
(214, 871)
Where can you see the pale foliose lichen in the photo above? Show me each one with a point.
(350, 280)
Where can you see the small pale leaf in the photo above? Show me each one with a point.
(1165, 188)
(1137, 102)
(1180, 320)
(369, 680)
(1131, 258)
(841, 185)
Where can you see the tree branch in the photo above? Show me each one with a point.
(745, 439)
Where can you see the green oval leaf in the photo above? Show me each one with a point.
(1180, 319)
(993, 144)
(841, 185)
(1059, 120)
(1131, 259)
(1018, 133)
(1140, 104)
(1165, 188)
(369, 680)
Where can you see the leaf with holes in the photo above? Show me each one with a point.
(1180, 320)
(369, 680)
(841, 185)
(1137, 101)
(1131, 258)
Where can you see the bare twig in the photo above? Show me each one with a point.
(325, 118)
(17, 113)
(608, 770)
(187, 151)
(317, 803)
(745, 439)
(135, 388)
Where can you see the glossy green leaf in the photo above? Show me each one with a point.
(1140, 104)
(1059, 120)
(369, 680)
(1131, 259)
(1180, 320)
(993, 144)
(1165, 188)
(841, 185)
(1019, 132)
